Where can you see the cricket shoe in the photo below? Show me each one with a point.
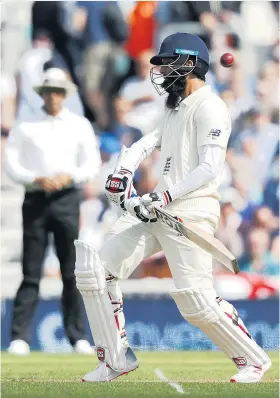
(103, 372)
(250, 374)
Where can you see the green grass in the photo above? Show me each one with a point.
(200, 374)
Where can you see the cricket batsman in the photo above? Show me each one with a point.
(192, 140)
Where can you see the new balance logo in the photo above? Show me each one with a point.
(214, 133)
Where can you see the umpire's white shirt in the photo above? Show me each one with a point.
(48, 145)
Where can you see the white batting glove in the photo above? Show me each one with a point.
(161, 199)
(137, 209)
(119, 188)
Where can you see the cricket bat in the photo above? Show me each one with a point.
(200, 238)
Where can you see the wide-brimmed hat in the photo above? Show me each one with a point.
(56, 78)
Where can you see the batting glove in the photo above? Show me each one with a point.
(162, 199)
(137, 209)
(119, 188)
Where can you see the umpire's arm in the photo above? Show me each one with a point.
(89, 160)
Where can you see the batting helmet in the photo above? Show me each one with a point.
(178, 48)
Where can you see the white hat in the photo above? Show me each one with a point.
(56, 78)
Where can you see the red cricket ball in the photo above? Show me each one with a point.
(227, 60)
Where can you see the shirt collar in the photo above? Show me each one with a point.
(199, 93)
(61, 116)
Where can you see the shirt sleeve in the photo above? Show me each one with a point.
(140, 151)
(211, 162)
(89, 159)
(213, 124)
(14, 150)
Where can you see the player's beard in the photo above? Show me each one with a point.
(175, 90)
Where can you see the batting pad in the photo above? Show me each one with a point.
(91, 282)
(202, 310)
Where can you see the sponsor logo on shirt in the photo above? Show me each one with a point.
(214, 133)
(167, 165)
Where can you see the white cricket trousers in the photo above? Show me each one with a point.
(130, 241)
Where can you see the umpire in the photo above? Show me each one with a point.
(50, 156)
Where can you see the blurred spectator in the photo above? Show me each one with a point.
(259, 142)
(49, 156)
(275, 250)
(97, 214)
(109, 149)
(206, 16)
(125, 133)
(260, 217)
(258, 260)
(227, 231)
(142, 28)
(72, 20)
(268, 80)
(53, 17)
(264, 218)
(271, 190)
(30, 73)
(260, 34)
(104, 33)
(138, 98)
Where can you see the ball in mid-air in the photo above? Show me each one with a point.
(227, 60)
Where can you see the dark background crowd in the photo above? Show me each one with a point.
(105, 49)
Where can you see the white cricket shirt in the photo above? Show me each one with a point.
(49, 145)
(189, 137)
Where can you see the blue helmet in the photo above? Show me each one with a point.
(182, 44)
(178, 48)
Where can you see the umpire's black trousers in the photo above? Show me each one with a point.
(43, 213)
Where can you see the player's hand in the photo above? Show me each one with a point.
(119, 188)
(137, 209)
(160, 199)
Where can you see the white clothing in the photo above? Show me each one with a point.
(192, 140)
(8, 86)
(210, 162)
(130, 241)
(50, 145)
(201, 119)
(147, 115)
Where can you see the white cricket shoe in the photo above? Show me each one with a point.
(19, 347)
(104, 373)
(250, 374)
(83, 347)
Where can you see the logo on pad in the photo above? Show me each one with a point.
(240, 361)
(100, 353)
